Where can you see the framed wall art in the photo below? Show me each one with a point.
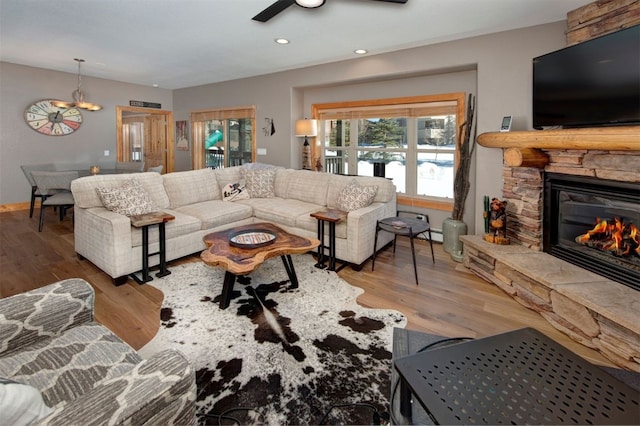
(182, 135)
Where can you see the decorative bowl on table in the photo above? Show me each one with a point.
(251, 238)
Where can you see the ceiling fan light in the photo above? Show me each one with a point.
(310, 4)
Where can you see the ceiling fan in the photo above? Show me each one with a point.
(280, 5)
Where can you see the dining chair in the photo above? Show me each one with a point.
(35, 193)
(157, 169)
(130, 166)
(55, 188)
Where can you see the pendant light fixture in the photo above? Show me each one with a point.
(78, 95)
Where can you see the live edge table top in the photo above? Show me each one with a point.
(242, 261)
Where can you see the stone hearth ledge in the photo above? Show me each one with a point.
(593, 310)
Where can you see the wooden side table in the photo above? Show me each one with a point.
(144, 221)
(330, 216)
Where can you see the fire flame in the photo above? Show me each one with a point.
(615, 237)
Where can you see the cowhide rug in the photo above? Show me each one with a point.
(288, 355)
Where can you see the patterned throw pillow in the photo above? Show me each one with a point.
(354, 196)
(260, 182)
(129, 199)
(234, 192)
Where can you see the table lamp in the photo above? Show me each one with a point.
(306, 128)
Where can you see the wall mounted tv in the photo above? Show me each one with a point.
(594, 83)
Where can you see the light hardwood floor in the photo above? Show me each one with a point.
(449, 300)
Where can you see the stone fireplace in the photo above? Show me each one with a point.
(592, 223)
(591, 308)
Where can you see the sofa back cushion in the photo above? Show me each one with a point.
(193, 186)
(384, 194)
(85, 195)
(305, 185)
(228, 175)
(281, 182)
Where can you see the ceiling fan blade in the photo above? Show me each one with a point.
(273, 10)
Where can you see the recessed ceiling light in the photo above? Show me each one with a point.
(360, 51)
(282, 41)
(155, 85)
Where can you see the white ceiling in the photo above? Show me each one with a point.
(184, 43)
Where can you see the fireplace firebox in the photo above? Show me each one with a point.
(593, 223)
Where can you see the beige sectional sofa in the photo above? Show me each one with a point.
(195, 198)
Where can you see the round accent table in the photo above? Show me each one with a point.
(404, 227)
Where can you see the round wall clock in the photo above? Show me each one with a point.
(45, 118)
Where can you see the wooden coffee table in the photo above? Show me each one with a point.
(238, 259)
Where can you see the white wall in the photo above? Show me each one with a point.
(503, 86)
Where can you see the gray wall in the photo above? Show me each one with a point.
(501, 67)
(500, 64)
(19, 144)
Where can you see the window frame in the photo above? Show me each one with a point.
(198, 119)
(399, 106)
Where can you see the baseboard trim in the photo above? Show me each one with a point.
(15, 207)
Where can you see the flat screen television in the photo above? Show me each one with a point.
(593, 83)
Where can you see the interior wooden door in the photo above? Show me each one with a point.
(158, 135)
(156, 141)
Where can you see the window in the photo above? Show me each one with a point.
(223, 137)
(410, 140)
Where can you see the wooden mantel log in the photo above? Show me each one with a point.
(623, 138)
(525, 157)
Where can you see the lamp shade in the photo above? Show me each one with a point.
(306, 128)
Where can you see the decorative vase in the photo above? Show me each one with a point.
(451, 231)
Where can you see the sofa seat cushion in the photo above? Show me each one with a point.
(280, 210)
(212, 214)
(183, 224)
(68, 366)
(308, 223)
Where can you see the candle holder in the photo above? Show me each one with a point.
(94, 170)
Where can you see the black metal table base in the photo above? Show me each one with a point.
(322, 248)
(230, 279)
(144, 276)
(411, 228)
